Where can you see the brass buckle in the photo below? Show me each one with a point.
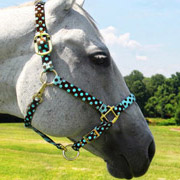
(111, 110)
(42, 35)
(94, 133)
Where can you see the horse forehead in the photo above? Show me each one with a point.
(77, 19)
(72, 33)
(79, 31)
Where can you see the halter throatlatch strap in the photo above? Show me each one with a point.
(108, 114)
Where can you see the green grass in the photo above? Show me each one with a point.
(24, 155)
(161, 121)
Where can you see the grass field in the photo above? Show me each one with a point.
(24, 155)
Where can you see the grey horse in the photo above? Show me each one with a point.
(81, 57)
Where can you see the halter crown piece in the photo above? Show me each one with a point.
(43, 47)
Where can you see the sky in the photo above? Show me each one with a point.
(140, 34)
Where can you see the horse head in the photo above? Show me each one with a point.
(81, 57)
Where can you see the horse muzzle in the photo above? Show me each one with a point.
(121, 166)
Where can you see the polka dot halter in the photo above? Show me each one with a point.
(43, 47)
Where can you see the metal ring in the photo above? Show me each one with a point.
(69, 148)
(45, 81)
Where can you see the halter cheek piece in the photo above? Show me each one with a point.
(43, 47)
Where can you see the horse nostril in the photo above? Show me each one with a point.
(151, 151)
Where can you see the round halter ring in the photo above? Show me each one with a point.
(69, 153)
(45, 81)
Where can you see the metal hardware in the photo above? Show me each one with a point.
(94, 131)
(40, 92)
(71, 156)
(111, 110)
(48, 39)
(43, 87)
(63, 147)
(86, 139)
(45, 81)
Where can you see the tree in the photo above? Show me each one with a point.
(149, 86)
(157, 96)
(134, 76)
(137, 87)
(166, 100)
(139, 90)
(175, 79)
(150, 107)
(156, 81)
(177, 116)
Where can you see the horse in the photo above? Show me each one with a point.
(81, 57)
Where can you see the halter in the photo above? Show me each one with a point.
(43, 47)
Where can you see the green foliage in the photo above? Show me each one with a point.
(177, 116)
(157, 96)
(151, 106)
(167, 122)
(156, 81)
(176, 81)
(137, 86)
(161, 122)
(134, 76)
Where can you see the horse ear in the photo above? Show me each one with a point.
(56, 7)
(80, 2)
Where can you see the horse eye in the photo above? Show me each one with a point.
(99, 58)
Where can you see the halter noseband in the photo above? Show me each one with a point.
(43, 47)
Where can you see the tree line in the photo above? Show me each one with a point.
(157, 96)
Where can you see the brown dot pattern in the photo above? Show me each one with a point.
(42, 41)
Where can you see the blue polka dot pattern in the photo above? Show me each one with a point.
(57, 81)
(93, 135)
(30, 112)
(77, 92)
(125, 104)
